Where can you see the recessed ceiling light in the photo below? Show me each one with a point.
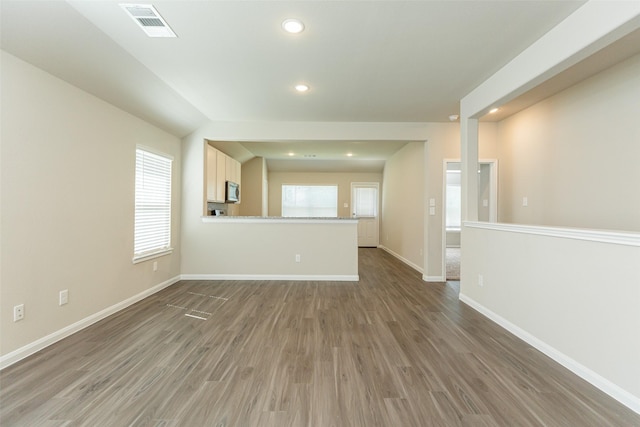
(293, 26)
(349, 154)
(493, 110)
(453, 117)
(291, 154)
(302, 87)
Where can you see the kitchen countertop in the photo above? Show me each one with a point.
(276, 219)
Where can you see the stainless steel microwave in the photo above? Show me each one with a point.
(232, 192)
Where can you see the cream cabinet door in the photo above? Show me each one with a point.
(212, 179)
(238, 172)
(221, 177)
(229, 172)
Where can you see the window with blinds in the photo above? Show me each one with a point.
(310, 201)
(152, 229)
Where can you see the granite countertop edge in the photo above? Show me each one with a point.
(224, 218)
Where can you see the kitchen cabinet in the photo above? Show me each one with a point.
(221, 175)
(220, 168)
(233, 170)
(212, 177)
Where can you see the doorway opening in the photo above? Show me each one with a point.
(452, 206)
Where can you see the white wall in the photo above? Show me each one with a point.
(196, 234)
(411, 177)
(576, 300)
(402, 219)
(68, 163)
(444, 143)
(266, 250)
(575, 155)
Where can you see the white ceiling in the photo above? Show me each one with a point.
(366, 61)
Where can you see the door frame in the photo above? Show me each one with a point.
(493, 202)
(368, 184)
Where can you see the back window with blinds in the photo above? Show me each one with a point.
(152, 230)
(309, 201)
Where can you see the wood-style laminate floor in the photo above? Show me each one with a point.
(390, 350)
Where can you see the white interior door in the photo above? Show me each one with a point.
(364, 206)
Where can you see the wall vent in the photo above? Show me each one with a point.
(148, 18)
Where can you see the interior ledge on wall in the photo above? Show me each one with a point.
(602, 236)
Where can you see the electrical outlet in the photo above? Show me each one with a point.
(18, 312)
(480, 280)
(297, 257)
(155, 265)
(64, 297)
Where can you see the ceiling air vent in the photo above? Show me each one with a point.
(148, 18)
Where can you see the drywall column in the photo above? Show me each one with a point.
(469, 164)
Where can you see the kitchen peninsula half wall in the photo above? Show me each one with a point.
(274, 248)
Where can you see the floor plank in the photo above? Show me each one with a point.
(390, 350)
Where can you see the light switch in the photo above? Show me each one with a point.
(432, 211)
(525, 201)
(485, 203)
(432, 202)
(346, 205)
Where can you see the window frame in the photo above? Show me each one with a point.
(282, 189)
(164, 249)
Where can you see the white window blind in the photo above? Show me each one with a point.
(310, 201)
(365, 203)
(152, 230)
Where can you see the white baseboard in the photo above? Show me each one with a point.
(621, 395)
(29, 349)
(434, 278)
(294, 277)
(406, 261)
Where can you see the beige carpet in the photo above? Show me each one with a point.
(453, 263)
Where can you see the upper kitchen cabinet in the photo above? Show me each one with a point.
(233, 170)
(221, 175)
(220, 168)
(212, 177)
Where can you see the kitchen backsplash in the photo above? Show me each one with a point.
(228, 209)
(216, 207)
